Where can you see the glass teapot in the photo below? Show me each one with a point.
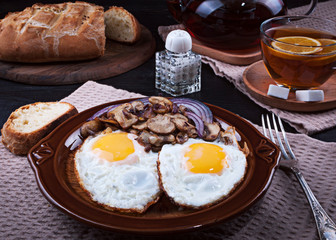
(227, 24)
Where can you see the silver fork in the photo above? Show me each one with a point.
(325, 226)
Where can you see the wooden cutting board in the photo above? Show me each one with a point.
(118, 58)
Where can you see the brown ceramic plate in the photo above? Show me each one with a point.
(54, 175)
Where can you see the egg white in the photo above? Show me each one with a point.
(126, 185)
(197, 190)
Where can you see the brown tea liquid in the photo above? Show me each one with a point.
(225, 24)
(298, 71)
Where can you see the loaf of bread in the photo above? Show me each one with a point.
(121, 25)
(30, 123)
(53, 32)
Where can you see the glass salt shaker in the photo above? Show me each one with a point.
(178, 69)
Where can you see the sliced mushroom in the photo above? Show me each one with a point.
(123, 115)
(159, 140)
(134, 131)
(109, 121)
(181, 124)
(161, 124)
(182, 137)
(148, 112)
(137, 106)
(177, 115)
(161, 105)
(227, 140)
(143, 139)
(140, 126)
(228, 137)
(192, 133)
(108, 130)
(153, 141)
(91, 127)
(211, 131)
(182, 109)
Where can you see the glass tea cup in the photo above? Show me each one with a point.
(299, 52)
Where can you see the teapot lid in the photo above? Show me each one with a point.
(178, 41)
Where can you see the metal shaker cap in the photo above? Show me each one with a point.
(178, 41)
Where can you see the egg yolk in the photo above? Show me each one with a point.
(205, 158)
(114, 146)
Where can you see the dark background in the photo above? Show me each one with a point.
(150, 13)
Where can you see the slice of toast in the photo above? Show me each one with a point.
(121, 25)
(30, 123)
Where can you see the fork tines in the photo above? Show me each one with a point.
(283, 151)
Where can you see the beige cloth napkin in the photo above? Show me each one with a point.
(307, 123)
(283, 214)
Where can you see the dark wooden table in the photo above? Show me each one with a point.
(151, 13)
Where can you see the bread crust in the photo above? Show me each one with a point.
(20, 143)
(135, 25)
(53, 32)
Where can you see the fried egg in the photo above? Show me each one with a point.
(117, 172)
(198, 173)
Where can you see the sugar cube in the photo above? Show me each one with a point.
(309, 95)
(277, 91)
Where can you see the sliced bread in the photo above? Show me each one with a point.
(53, 32)
(30, 123)
(121, 25)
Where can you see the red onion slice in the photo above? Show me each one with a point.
(196, 107)
(175, 108)
(144, 100)
(199, 124)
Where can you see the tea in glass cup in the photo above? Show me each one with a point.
(299, 52)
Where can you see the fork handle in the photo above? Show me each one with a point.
(325, 226)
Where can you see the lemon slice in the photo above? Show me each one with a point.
(297, 45)
(324, 42)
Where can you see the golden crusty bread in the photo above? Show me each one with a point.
(53, 32)
(30, 123)
(121, 25)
